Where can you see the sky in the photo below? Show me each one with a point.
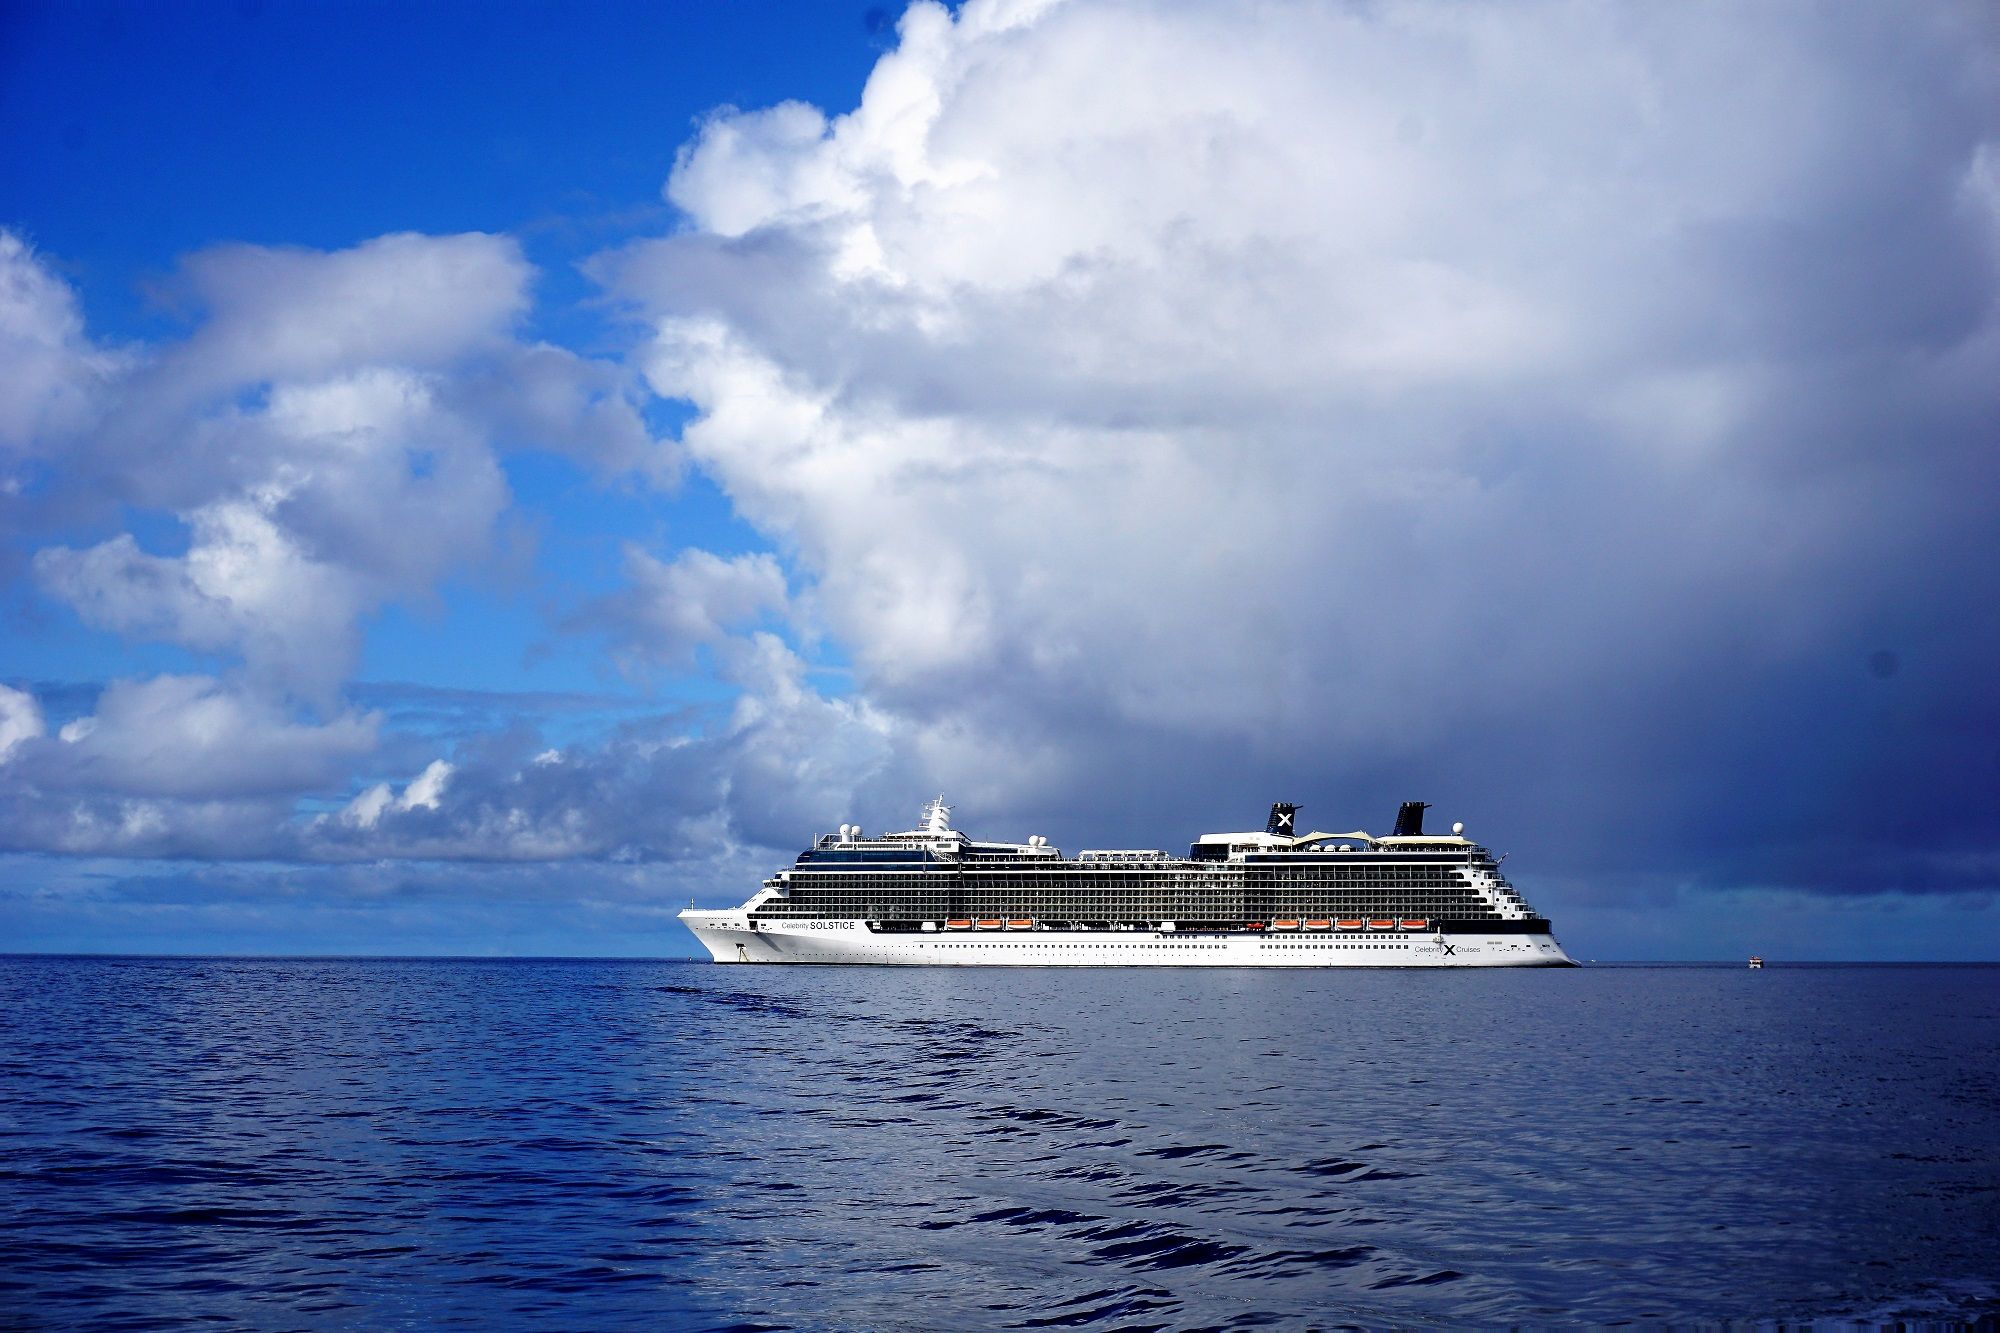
(477, 478)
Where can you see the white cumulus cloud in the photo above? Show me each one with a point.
(669, 609)
(327, 436)
(424, 792)
(1347, 386)
(195, 737)
(323, 442)
(50, 371)
(20, 719)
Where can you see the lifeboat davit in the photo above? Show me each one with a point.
(1020, 923)
(1349, 923)
(990, 923)
(1319, 923)
(959, 923)
(1285, 923)
(1415, 922)
(1380, 923)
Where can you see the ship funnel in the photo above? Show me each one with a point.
(1281, 819)
(1410, 819)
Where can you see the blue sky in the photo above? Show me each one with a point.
(476, 478)
(146, 132)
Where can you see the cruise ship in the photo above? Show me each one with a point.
(1275, 898)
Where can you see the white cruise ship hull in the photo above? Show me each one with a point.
(730, 938)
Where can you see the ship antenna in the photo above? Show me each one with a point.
(937, 817)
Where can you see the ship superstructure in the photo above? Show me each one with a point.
(932, 895)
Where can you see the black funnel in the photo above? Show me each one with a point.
(1410, 819)
(1281, 820)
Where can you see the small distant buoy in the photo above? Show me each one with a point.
(1756, 961)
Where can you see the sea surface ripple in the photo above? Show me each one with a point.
(349, 1143)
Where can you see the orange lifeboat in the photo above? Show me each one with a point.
(1380, 923)
(959, 923)
(1415, 922)
(1285, 923)
(1253, 925)
(1319, 923)
(1349, 923)
(1020, 923)
(990, 923)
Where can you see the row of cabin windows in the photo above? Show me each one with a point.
(1055, 903)
(1150, 884)
(1131, 869)
(1028, 942)
(1119, 895)
(1110, 901)
(1058, 905)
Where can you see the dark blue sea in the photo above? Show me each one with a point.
(391, 1144)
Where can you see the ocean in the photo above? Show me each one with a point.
(402, 1144)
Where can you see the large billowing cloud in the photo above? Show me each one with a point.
(1557, 407)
